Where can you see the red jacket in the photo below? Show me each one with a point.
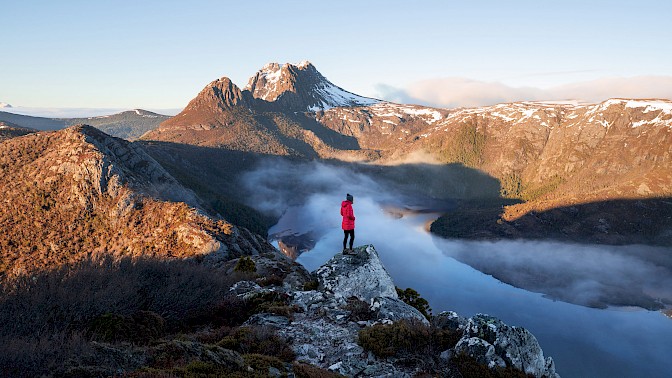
(348, 216)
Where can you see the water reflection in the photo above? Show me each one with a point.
(616, 341)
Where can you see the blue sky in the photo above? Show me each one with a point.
(159, 54)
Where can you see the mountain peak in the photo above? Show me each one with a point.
(300, 87)
(5, 105)
(219, 94)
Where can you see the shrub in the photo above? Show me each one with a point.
(302, 370)
(258, 340)
(467, 147)
(272, 280)
(311, 285)
(262, 363)
(407, 338)
(245, 264)
(413, 298)
(359, 310)
(470, 368)
(140, 328)
(51, 318)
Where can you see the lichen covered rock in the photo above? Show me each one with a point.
(361, 275)
(494, 343)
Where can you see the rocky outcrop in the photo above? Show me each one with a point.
(354, 292)
(495, 344)
(361, 275)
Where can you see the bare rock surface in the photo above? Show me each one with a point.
(361, 275)
(494, 343)
(324, 332)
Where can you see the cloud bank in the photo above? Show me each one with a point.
(307, 197)
(454, 92)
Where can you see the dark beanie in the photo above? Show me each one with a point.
(349, 197)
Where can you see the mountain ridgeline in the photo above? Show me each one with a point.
(544, 155)
(129, 125)
(78, 194)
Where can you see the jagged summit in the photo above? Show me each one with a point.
(224, 115)
(276, 87)
(220, 94)
(301, 87)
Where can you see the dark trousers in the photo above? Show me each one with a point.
(345, 237)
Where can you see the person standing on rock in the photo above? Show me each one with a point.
(348, 223)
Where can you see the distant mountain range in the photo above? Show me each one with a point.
(549, 155)
(555, 167)
(128, 125)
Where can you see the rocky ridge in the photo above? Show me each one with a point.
(325, 331)
(129, 125)
(9, 130)
(79, 193)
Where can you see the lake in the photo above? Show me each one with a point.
(583, 341)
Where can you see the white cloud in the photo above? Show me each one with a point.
(456, 92)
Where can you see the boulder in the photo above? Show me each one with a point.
(450, 320)
(490, 341)
(392, 309)
(361, 275)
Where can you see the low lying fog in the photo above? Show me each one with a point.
(307, 196)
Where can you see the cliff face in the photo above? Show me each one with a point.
(79, 193)
(355, 293)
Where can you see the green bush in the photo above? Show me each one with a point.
(467, 147)
(262, 362)
(413, 298)
(245, 264)
(311, 285)
(511, 186)
(407, 338)
(258, 340)
(549, 185)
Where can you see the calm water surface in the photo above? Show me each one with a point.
(584, 342)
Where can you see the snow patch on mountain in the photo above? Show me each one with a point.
(650, 106)
(388, 109)
(332, 96)
(270, 74)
